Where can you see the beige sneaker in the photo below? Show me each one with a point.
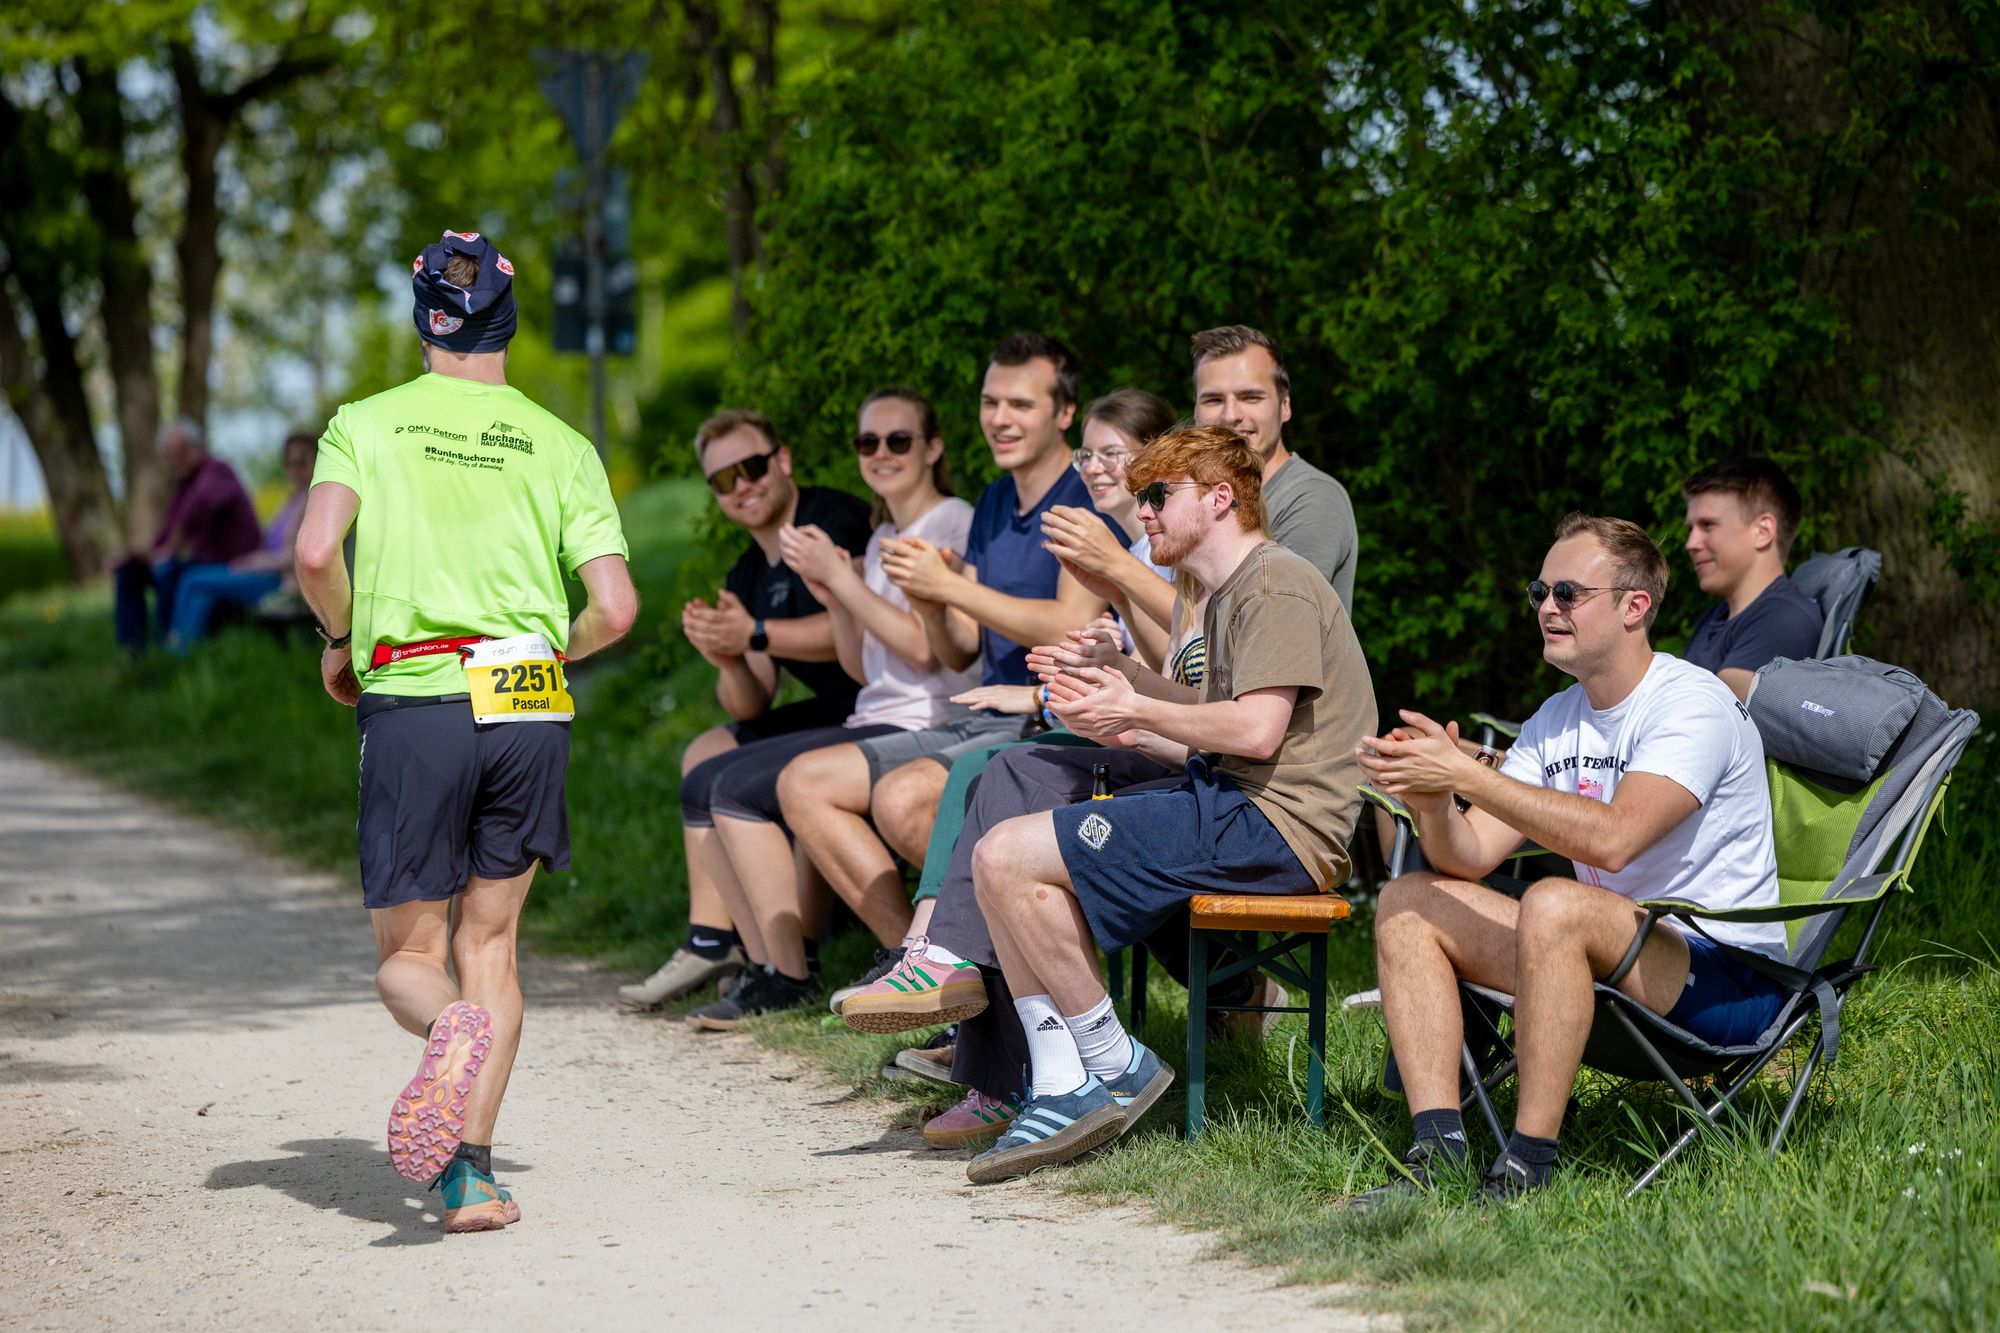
(682, 973)
(1255, 1026)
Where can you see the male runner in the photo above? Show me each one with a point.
(1649, 775)
(469, 504)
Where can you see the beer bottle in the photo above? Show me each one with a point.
(1100, 782)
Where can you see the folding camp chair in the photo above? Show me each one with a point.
(1839, 581)
(1847, 825)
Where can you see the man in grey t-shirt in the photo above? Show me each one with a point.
(1240, 382)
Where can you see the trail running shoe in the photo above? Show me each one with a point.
(760, 991)
(1049, 1130)
(1146, 1076)
(473, 1200)
(428, 1120)
(686, 971)
(976, 1118)
(1419, 1174)
(918, 993)
(885, 963)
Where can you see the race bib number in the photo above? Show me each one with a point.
(518, 679)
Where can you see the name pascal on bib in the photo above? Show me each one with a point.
(518, 679)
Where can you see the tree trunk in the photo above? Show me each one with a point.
(739, 196)
(1920, 297)
(56, 420)
(126, 301)
(203, 128)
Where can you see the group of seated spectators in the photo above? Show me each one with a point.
(1161, 616)
(210, 551)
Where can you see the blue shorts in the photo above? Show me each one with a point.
(1136, 859)
(1725, 1001)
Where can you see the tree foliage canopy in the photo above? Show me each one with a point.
(1521, 259)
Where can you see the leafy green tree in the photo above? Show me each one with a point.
(1522, 259)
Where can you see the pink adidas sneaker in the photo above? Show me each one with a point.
(976, 1118)
(918, 992)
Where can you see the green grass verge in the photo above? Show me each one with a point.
(1883, 1212)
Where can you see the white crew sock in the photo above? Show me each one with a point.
(934, 951)
(1101, 1040)
(1052, 1056)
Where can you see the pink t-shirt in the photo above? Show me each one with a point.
(893, 691)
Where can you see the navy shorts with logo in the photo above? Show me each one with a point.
(443, 798)
(1725, 1002)
(1136, 859)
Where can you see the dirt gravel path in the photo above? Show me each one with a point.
(194, 1075)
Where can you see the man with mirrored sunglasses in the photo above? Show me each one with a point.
(763, 621)
(1648, 774)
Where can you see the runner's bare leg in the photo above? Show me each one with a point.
(483, 954)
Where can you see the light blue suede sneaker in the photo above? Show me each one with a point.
(1051, 1129)
(1146, 1076)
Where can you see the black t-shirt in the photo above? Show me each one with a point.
(775, 592)
(1780, 622)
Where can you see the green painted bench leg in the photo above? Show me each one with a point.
(1197, 1030)
(1316, 1031)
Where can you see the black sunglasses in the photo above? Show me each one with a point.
(899, 442)
(1153, 494)
(753, 468)
(1567, 594)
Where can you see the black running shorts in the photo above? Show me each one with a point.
(443, 798)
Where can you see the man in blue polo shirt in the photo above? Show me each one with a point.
(1004, 592)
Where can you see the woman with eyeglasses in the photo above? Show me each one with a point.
(881, 644)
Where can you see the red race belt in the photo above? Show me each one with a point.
(387, 653)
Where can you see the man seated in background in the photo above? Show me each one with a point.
(248, 579)
(1742, 515)
(1649, 775)
(209, 522)
(1265, 805)
(764, 619)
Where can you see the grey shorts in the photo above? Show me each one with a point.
(443, 797)
(943, 743)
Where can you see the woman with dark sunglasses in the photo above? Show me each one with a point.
(882, 645)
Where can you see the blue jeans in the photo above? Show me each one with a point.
(201, 587)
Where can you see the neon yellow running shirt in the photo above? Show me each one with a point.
(475, 503)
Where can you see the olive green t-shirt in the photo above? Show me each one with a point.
(475, 503)
(1276, 621)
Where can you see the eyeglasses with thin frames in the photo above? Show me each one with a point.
(1567, 594)
(1111, 460)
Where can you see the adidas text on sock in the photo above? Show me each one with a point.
(1053, 1061)
(1101, 1040)
(1442, 1131)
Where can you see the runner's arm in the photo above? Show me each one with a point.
(322, 569)
(612, 606)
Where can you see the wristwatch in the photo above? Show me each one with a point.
(759, 640)
(1489, 758)
(329, 640)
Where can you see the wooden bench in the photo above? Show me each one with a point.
(1265, 932)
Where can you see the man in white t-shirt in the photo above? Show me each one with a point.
(1649, 775)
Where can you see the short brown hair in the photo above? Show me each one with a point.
(1641, 567)
(461, 270)
(1233, 340)
(731, 419)
(1760, 486)
(1139, 416)
(1018, 349)
(1210, 455)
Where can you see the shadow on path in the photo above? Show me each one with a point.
(350, 1177)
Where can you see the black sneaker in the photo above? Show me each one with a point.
(1423, 1164)
(758, 990)
(1509, 1180)
(885, 963)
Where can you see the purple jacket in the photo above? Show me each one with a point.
(210, 520)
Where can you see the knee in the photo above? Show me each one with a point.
(714, 741)
(1400, 911)
(1551, 912)
(991, 857)
(804, 782)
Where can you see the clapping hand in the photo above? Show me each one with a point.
(923, 571)
(720, 633)
(1417, 762)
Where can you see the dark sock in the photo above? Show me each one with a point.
(479, 1154)
(1442, 1131)
(711, 942)
(1538, 1155)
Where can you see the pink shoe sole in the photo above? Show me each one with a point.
(427, 1122)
